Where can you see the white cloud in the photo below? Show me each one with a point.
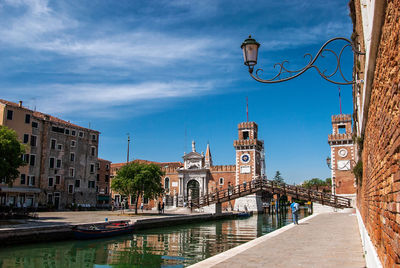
(108, 100)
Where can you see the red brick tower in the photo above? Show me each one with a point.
(249, 159)
(342, 155)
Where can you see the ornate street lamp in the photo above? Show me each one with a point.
(250, 52)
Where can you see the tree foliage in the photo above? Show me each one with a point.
(278, 177)
(11, 151)
(138, 180)
(316, 182)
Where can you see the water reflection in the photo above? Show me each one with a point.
(176, 246)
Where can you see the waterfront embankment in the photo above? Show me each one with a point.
(56, 226)
(320, 240)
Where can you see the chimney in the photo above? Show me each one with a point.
(20, 103)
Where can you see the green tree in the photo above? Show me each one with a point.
(315, 182)
(138, 180)
(328, 182)
(278, 177)
(11, 151)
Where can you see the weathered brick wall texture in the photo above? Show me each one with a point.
(379, 195)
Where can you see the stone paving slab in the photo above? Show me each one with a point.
(322, 240)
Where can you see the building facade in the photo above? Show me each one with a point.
(197, 175)
(61, 160)
(103, 183)
(377, 126)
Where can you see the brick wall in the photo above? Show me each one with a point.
(379, 194)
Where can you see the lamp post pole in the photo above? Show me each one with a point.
(127, 154)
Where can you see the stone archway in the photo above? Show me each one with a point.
(193, 189)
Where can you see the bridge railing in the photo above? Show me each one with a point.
(233, 192)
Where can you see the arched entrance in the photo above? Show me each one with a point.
(193, 189)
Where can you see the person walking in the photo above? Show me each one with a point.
(159, 207)
(162, 208)
(295, 212)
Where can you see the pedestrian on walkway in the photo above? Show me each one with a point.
(141, 206)
(295, 212)
(162, 208)
(159, 207)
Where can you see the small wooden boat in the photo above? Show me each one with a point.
(244, 214)
(102, 230)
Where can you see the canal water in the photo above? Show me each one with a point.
(177, 246)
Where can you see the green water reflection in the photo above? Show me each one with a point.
(176, 246)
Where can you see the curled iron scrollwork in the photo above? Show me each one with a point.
(290, 74)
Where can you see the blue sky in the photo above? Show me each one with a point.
(168, 72)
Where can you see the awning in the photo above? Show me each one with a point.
(103, 197)
(6, 189)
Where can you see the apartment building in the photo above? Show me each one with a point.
(61, 157)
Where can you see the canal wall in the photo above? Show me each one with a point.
(58, 232)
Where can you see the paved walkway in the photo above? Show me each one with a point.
(322, 240)
(78, 217)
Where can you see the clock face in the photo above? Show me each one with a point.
(245, 158)
(342, 152)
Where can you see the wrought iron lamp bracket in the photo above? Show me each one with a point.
(282, 69)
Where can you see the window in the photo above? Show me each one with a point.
(93, 151)
(23, 178)
(107, 178)
(72, 157)
(59, 147)
(67, 131)
(35, 124)
(26, 138)
(98, 177)
(107, 167)
(70, 189)
(145, 200)
(27, 118)
(50, 182)
(93, 137)
(81, 134)
(73, 132)
(166, 183)
(32, 159)
(51, 164)
(91, 184)
(72, 172)
(77, 183)
(92, 168)
(73, 143)
(246, 135)
(133, 200)
(106, 190)
(31, 180)
(221, 181)
(58, 129)
(33, 141)
(9, 115)
(342, 129)
(25, 157)
(53, 144)
(58, 163)
(58, 179)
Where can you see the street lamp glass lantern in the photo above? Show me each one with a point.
(250, 52)
(328, 161)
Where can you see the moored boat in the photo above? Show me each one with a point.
(102, 230)
(244, 214)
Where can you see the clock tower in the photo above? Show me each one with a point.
(249, 163)
(342, 155)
